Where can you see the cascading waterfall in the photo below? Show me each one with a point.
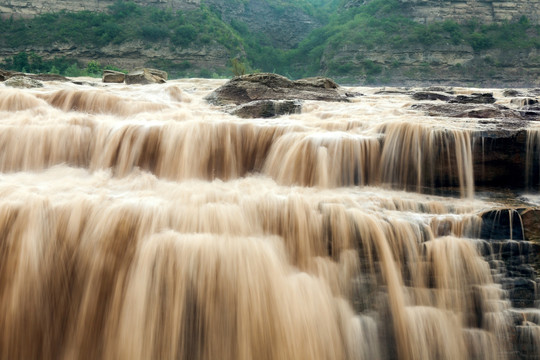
(141, 223)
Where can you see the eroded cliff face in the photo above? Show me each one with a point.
(28, 9)
(284, 26)
(485, 11)
(133, 54)
(441, 63)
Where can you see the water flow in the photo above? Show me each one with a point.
(140, 223)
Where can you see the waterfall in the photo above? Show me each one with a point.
(142, 223)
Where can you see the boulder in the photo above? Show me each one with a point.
(47, 77)
(23, 82)
(394, 91)
(486, 98)
(480, 111)
(530, 218)
(265, 86)
(267, 108)
(146, 76)
(512, 93)
(431, 95)
(523, 101)
(6, 74)
(111, 76)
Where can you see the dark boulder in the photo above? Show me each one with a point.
(512, 93)
(523, 101)
(267, 108)
(266, 86)
(146, 76)
(431, 95)
(486, 98)
(478, 111)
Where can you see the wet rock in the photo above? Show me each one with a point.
(394, 91)
(431, 95)
(512, 93)
(526, 342)
(530, 219)
(48, 77)
(501, 224)
(266, 86)
(267, 108)
(524, 101)
(23, 82)
(111, 76)
(6, 74)
(479, 111)
(146, 76)
(523, 293)
(486, 98)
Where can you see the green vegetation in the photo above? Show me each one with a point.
(341, 48)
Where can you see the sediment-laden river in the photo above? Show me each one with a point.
(140, 222)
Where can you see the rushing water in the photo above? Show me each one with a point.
(141, 223)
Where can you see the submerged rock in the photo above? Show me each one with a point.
(47, 77)
(6, 74)
(267, 108)
(146, 76)
(524, 101)
(431, 95)
(266, 86)
(111, 76)
(480, 111)
(23, 82)
(486, 98)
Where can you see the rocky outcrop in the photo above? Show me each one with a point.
(486, 11)
(486, 98)
(499, 146)
(284, 24)
(483, 111)
(23, 82)
(431, 95)
(110, 76)
(146, 76)
(136, 54)
(267, 108)
(25, 8)
(266, 86)
(441, 63)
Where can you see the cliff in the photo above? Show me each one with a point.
(23, 8)
(284, 24)
(484, 11)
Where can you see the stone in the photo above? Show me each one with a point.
(523, 101)
(23, 82)
(111, 76)
(6, 74)
(530, 218)
(47, 77)
(486, 98)
(481, 111)
(267, 108)
(512, 93)
(431, 95)
(146, 76)
(267, 86)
